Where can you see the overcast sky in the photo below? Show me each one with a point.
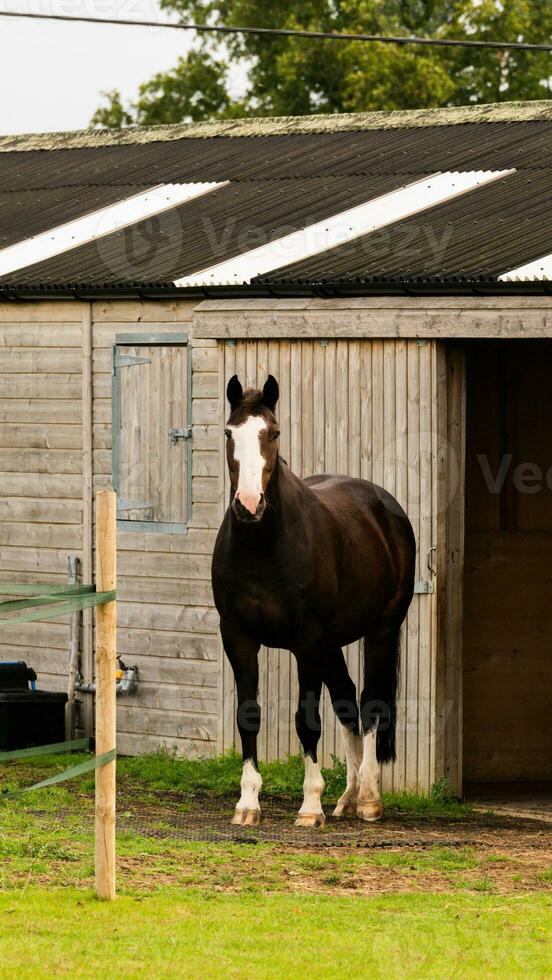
(51, 74)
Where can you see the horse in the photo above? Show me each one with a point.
(310, 565)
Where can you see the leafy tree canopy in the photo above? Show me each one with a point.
(286, 76)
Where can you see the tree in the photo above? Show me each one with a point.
(287, 76)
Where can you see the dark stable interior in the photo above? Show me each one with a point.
(507, 672)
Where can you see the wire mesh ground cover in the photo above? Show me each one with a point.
(207, 818)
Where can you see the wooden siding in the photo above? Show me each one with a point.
(167, 624)
(436, 317)
(367, 408)
(41, 472)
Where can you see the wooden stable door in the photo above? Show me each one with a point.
(366, 408)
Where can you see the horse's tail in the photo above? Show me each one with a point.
(379, 696)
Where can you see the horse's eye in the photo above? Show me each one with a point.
(227, 433)
(275, 434)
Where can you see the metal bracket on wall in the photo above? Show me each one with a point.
(423, 588)
(176, 434)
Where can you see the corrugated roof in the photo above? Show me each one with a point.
(24, 213)
(481, 233)
(409, 153)
(225, 223)
(286, 174)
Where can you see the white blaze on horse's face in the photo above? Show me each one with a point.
(248, 455)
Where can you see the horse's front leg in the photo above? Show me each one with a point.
(308, 725)
(243, 654)
(344, 700)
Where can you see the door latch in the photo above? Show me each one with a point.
(176, 434)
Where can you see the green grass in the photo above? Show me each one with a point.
(432, 859)
(172, 933)
(228, 910)
(163, 772)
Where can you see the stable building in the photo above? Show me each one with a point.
(391, 270)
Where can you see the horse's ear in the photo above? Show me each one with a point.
(234, 392)
(271, 393)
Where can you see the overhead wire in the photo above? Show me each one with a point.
(287, 32)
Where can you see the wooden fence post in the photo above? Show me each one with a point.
(106, 694)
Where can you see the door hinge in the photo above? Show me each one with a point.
(127, 360)
(176, 434)
(423, 588)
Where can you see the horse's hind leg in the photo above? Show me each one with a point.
(308, 725)
(344, 700)
(243, 656)
(378, 715)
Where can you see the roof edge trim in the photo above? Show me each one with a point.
(495, 112)
(20, 293)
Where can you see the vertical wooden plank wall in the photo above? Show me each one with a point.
(363, 407)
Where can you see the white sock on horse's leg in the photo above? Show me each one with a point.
(346, 805)
(311, 813)
(369, 805)
(248, 810)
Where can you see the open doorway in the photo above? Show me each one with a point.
(507, 681)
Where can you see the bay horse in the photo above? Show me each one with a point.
(310, 566)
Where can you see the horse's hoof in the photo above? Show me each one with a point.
(346, 809)
(310, 820)
(247, 818)
(371, 812)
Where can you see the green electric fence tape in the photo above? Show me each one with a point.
(53, 749)
(61, 600)
(83, 767)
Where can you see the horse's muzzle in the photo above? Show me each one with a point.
(245, 515)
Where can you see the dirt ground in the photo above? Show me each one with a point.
(506, 850)
(206, 818)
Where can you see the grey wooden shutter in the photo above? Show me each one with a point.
(151, 432)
